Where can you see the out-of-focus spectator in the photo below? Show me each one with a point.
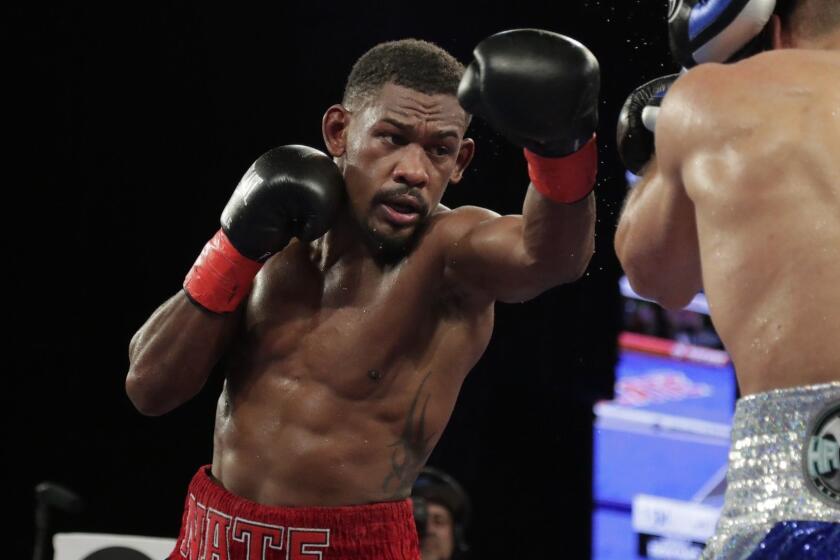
(442, 512)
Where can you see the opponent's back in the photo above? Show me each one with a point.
(763, 171)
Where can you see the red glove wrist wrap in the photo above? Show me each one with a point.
(221, 277)
(565, 179)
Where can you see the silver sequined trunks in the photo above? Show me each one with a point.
(766, 479)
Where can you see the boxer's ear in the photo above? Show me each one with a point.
(465, 155)
(334, 127)
(779, 35)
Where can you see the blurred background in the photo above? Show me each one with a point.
(130, 124)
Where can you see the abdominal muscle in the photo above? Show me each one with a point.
(295, 441)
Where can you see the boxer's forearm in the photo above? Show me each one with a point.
(626, 240)
(638, 229)
(656, 242)
(560, 238)
(172, 355)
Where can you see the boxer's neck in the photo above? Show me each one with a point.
(824, 42)
(831, 41)
(345, 242)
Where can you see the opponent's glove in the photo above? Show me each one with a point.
(290, 191)
(540, 90)
(718, 30)
(637, 123)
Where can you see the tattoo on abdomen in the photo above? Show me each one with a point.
(412, 448)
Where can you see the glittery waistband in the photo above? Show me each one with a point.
(767, 474)
(818, 394)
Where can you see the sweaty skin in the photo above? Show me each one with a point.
(743, 201)
(343, 367)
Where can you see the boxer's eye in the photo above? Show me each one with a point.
(396, 139)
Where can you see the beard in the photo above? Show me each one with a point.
(390, 249)
(394, 246)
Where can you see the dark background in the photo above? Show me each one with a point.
(128, 126)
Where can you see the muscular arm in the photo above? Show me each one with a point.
(515, 258)
(174, 352)
(288, 191)
(553, 115)
(656, 240)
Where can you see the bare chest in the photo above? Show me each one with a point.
(353, 329)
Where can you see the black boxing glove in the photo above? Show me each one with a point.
(540, 89)
(718, 30)
(637, 122)
(290, 191)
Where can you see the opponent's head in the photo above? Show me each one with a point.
(718, 30)
(398, 137)
(806, 24)
(730, 30)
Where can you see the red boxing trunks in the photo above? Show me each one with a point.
(222, 526)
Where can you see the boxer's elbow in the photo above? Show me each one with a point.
(563, 269)
(141, 397)
(561, 264)
(653, 284)
(540, 276)
(570, 262)
(667, 276)
(149, 396)
(575, 264)
(673, 299)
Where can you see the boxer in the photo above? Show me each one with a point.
(348, 304)
(741, 200)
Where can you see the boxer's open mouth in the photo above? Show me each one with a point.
(402, 210)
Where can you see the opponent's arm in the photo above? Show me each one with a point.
(656, 240)
(540, 90)
(291, 191)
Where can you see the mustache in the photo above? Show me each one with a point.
(395, 194)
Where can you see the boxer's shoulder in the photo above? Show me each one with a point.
(448, 226)
(712, 100)
(702, 88)
(772, 64)
(794, 75)
(702, 106)
(750, 79)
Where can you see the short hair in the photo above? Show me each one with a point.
(412, 63)
(809, 18)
